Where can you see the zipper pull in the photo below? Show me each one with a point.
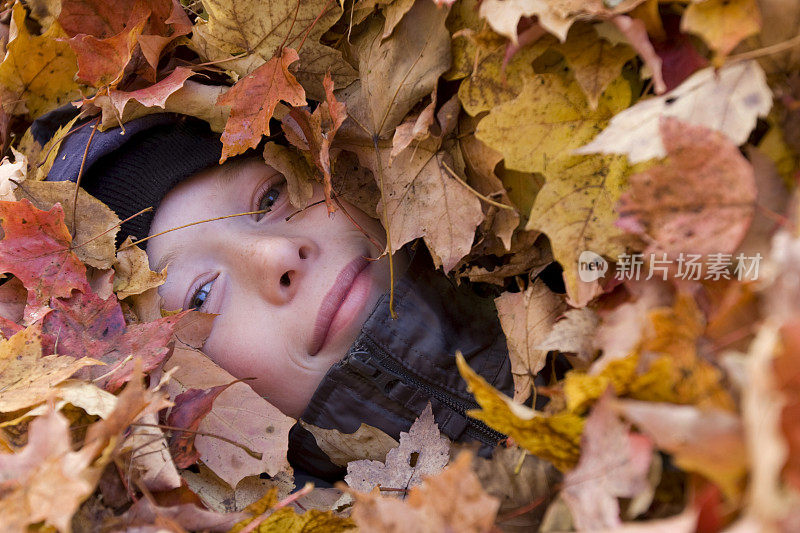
(366, 366)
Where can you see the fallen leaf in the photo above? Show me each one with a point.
(722, 23)
(94, 243)
(144, 515)
(635, 32)
(575, 209)
(132, 274)
(595, 61)
(366, 442)
(85, 325)
(296, 170)
(393, 13)
(150, 455)
(153, 96)
(12, 300)
(614, 464)
(253, 99)
(710, 442)
(450, 501)
(527, 317)
(538, 130)
(37, 249)
(398, 71)
(555, 438)
(423, 451)
(27, 375)
(574, 333)
(729, 101)
(700, 200)
(234, 27)
(286, 519)
(102, 62)
(16, 171)
(191, 406)
(46, 481)
(239, 414)
(25, 89)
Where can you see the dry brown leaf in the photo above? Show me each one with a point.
(450, 501)
(722, 23)
(573, 334)
(132, 274)
(238, 414)
(92, 218)
(423, 451)
(366, 442)
(527, 318)
(296, 171)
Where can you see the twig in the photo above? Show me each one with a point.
(248, 451)
(473, 191)
(767, 50)
(80, 174)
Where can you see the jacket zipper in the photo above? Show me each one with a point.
(364, 358)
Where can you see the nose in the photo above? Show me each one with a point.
(274, 266)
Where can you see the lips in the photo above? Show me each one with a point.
(333, 301)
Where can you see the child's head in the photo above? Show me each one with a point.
(291, 294)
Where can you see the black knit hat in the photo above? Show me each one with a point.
(132, 169)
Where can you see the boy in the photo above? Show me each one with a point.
(303, 307)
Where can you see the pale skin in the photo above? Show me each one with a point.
(291, 295)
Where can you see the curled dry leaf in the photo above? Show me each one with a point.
(423, 451)
(16, 171)
(527, 318)
(132, 274)
(366, 442)
(574, 333)
(295, 169)
(555, 437)
(729, 101)
(700, 200)
(153, 96)
(93, 244)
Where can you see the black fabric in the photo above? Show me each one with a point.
(435, 319)
(132, 168)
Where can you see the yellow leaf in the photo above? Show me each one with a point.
(595, 62)
(38, 70)
(132, 274)
(286, 519)
(555, 438)
(575, 208)
(722, 23)
(538, 130)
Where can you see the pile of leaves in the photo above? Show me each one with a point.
(645, 152)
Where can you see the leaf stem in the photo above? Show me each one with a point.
(248, 451)
(473, 191)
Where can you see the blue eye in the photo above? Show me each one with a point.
(269, 199)
(270, 196)
(200, 296)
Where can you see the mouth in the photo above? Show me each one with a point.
(340, 304)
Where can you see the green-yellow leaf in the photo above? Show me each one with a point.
(538, 130)
(555, 438)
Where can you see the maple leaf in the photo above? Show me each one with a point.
(26, 376)
(95, 245)
(575, 209)
(253, 99)
(150, 455)
(153, 96)
(595, 61)
(538, 130)
(319, 129)
(527, 317)
(38, 70)
(555, 438)
(722, 23)
(430, 449)
(710, 442)
(47, 480)
(239, 414)
(190, 408)
(236, 26)
(729, 101)
(704, 199)
(37, 249)
(450, 501)
(366, 442)
(86, 325)
(398, 71)
(132, 274)
(613, 464)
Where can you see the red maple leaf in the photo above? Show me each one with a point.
(190, 408)
(37, 249)
(85, 325)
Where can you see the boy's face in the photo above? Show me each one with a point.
(291, 295)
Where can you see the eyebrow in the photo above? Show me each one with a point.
(169, 257)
